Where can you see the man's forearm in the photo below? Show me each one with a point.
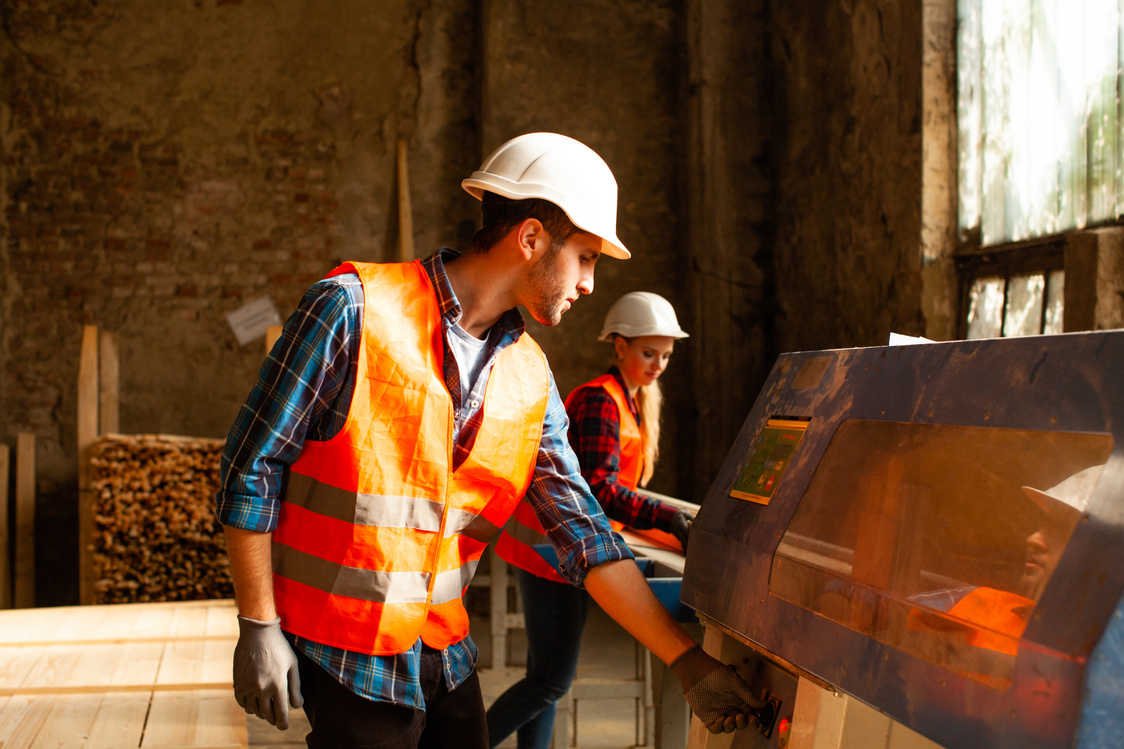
(621, 591)
(251, 567)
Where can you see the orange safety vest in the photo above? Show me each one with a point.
(516, 544)
(378, 536)
(985, 618)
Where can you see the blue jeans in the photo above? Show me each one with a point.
(555, 616)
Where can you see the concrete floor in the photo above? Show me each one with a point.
(607, 652)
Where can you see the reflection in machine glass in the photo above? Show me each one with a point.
(937, 540)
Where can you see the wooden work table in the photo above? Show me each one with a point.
(148, 675)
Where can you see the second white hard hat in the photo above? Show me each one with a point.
(641, 313)
(562, 170)
(1072, 493)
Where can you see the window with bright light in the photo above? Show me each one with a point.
(1038, 91)
(1015, 305)
(1040, 152)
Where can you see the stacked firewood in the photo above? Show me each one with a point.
(155, 535)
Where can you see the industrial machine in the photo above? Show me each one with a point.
(932, 532)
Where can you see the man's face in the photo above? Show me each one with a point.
(559, 275)
(1044, 549)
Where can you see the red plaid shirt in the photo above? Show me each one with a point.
(595, 427)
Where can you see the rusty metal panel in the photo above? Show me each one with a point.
(1048, 407)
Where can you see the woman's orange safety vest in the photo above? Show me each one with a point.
(516, 544)
(378, 536)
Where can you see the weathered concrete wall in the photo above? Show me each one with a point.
(609, 73)
(730, 145)
(165, 163)
(848, 160)
(805, 160)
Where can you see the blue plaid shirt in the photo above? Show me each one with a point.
(303, 393)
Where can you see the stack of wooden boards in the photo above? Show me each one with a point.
(155, 537)
(153, 676)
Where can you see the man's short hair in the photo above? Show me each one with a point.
(501, 215)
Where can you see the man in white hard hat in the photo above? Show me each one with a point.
(1062, 506)
(993, 618)
(395, 425)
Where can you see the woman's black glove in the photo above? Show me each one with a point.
(681, 527)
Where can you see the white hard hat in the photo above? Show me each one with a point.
(641, 313)
(1072, 493)
(559, 169)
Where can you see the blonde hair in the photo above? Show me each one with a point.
(649, 402)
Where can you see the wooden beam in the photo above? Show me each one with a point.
(5, 569)
(87, 436)
(405, 208)
(272, 333)
(108, 385)
(24, 595)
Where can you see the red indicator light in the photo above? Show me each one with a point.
(783, 731)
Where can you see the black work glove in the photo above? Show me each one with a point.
(716, 694)
(681, 527)
(266, 680)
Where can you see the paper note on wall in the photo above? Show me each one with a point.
(251, 321)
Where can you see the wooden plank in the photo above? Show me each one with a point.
(120, 692)
(5, 549)
(199, 719)
(189, 664)
(132, 622)
(108, 383)
(21, 719)
(204, 719)
(197, 662)
(272, 333)
(16, 664)
(140, 664)
(87, 436)
(222, 620)
(119, 721)
(24, 591)
(643, 547)
(69, 721)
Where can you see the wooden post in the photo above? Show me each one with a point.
(272, 333)
(405, 208)
(108, 388)
(5, 570)
(25, 520)
(87, 435)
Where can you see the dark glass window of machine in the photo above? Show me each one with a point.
(935, 539)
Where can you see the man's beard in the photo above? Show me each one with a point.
(547, 292)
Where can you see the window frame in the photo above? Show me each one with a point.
(1006, 261)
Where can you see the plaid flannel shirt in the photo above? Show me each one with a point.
(304, 391)
(595, 428)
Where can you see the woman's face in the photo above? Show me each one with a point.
(642, 360)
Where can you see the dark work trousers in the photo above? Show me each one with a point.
(341, 719)
(555, 615)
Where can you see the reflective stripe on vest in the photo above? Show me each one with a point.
(378, 537)
(516, 544)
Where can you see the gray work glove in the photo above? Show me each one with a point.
(717, 695)
(266, 680)
(681, 526)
